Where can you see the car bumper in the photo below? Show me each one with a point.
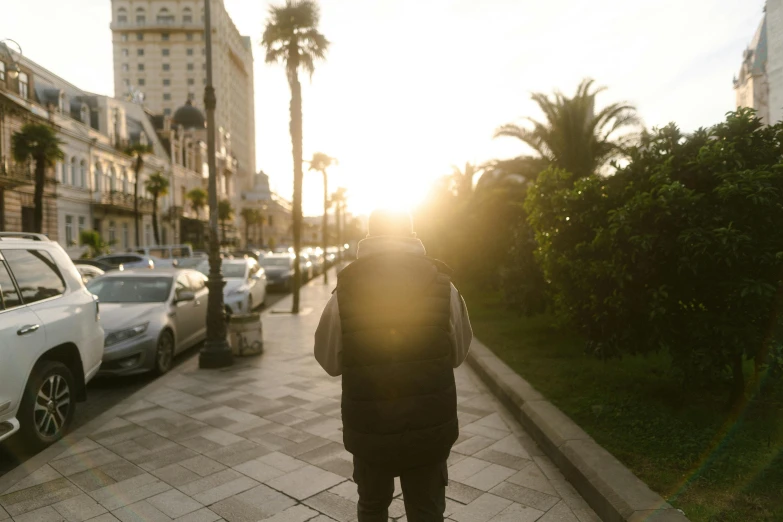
(131, 357)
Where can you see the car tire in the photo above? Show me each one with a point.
(164, 353)
(48, 405)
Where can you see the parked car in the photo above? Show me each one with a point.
(279, 270)
(167, 255)
(149, 316)
(92, 262)
(245, 284)
(255, 254)
(127, 260)
(89, 273)
(306, 267)
(51, 341)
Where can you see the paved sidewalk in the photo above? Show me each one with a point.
(262, 441)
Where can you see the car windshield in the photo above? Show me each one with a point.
(276, 261)
(230, 270)
(131, 289)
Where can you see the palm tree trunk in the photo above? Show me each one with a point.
(296, 145)
(326, 225)
(40, 180)
(136, 227)
(155, 219)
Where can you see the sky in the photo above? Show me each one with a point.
(412, 87)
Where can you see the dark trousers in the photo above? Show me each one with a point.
(423, 491)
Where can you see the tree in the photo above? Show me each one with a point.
(38, 142)
(137, 152)
(157, 185)
(573, 137)
(225, 213)
(95, 244)
(291, 37)
(251, 216)
(338, 201)
(462, 180)
(198, 200)
(320, 163)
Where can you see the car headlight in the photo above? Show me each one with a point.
(124, 335)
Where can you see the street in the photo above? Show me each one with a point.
(102, 394)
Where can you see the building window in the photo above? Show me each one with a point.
(166, 96)
(74, 172)
(165, 17)
(191, 81)
(125, 67)
(189, 37)
(124, 37)
(147, 235)
(165, 52)
(64, 175)
(164, 37)
(125, 184)
(122, 16)
(24, 85)
(190, 67)
(83, 176)
(190, 52)
(166, 82)
(140, 67)
(167, 112)
(125, 53)
(126, 82)
(68, 230)
(112, 233)
(187, 15)
(141, 18)
(82, 227)
(142, 81)
(139, 52)
(139, 37)
(125, 236)
(166, 67)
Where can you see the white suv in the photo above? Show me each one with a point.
(51, 341)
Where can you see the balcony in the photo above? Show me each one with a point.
(227, 164)
(118, 202)
(15, 175)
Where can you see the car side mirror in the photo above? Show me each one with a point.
(185, 296)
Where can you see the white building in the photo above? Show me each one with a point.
(752, 87)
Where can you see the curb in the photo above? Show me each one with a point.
(611, 489)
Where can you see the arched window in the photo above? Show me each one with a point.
(112, 180)
(141, 16)
(187, 15)
(96, 178)
(125, 184)
(84, 114)
(74, 171)
(165, 16)
(122, 16)
(24, 85)
(82, 175)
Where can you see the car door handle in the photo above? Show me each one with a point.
(30, 328)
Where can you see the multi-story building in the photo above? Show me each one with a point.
(752, 86)
(160, 57)
(92, 188)
(277, 222)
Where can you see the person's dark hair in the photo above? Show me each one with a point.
(385, 222)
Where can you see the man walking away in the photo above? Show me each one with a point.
(395, 329)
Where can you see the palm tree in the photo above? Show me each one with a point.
(462, 180)
(291, 37)
(574, 137)
(198, 200)
(40, 143)
(320, 163)
(137, 151)
(157, 185)
(250, 216)
(338, 200)
(225, 213)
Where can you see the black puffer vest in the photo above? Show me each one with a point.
(399, 401)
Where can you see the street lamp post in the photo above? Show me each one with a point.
(216, 352)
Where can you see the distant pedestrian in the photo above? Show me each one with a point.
(395, 329)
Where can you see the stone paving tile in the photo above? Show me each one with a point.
(255, 504)
(106, 517)
(482, 509)
(238, 453)
(335, 506)
(38, 496)
(78, 448)
(43, 474)
(229, 489)
(141, 511)
(129, 491)
(560, 513)
(3, 514)
(488, 477)
(79, 508)
(202, 515)
(298, 513)
(504, 459)
(83, 461)
(525, 496)
(204, 466)
(533, 478)
(517, 513)
(175, 475)
(258, 470)
(174, 503)
(44, 514)
(305, 482)
(466, 468)
(462, 493)
(473, 445)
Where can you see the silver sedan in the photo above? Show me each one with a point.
(149, 317)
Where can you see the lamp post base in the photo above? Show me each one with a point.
(215, 355)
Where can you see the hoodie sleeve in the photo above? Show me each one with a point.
(461, 331)
(328, 339)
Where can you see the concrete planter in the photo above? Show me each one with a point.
(245, 334)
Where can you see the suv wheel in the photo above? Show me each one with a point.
(48, 405)
(164, 355)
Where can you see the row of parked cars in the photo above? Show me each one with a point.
(64, 322)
